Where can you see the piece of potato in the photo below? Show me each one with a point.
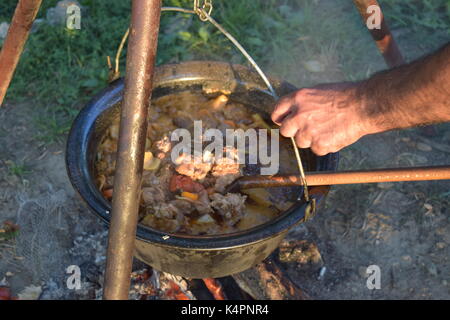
(114, 130)
(219, 102)
(259, 195)
(206, 218)
(151, 162)
(256, 215)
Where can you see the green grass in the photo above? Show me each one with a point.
(17, 169)
(61, 69)
(426, 21)
(419, 14)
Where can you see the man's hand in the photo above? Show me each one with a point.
(325, 118)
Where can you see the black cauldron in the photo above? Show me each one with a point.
(186, 255)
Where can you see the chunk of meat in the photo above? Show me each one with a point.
(163, 146)
(230, 206)
(184, 206)
(183, 183)
(164, 175)
(223, 182)
(193, 167)
(149, 178)
(160, 127)
(236, 113)
(168, 225)
(152, 196)
(182, 122)
(203, 204)
(109, 145)
(165, 216)
(107, 163)
(166, 210)
(225, 166)
(226, 170)
(156, 186)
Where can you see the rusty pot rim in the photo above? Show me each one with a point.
(82, 131)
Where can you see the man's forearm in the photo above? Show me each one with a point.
(328, 117)
(414, 94)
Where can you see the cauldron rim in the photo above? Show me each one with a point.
(79, 173)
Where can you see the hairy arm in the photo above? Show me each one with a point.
(328, 117)
(410, 95)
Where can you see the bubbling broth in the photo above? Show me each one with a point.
(186, 194)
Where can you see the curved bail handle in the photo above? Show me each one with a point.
(311, 208)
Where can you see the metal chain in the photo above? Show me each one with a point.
(204, 10)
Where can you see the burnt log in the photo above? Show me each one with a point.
(267, 281)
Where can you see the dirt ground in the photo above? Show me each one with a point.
(56, 230)
(401, 227)
(404, 228)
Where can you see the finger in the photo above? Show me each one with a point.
(289, 126)
(319, 151)
(320, 148)
(302, 140)
(282, 109)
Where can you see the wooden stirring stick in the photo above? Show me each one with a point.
(345, 177)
